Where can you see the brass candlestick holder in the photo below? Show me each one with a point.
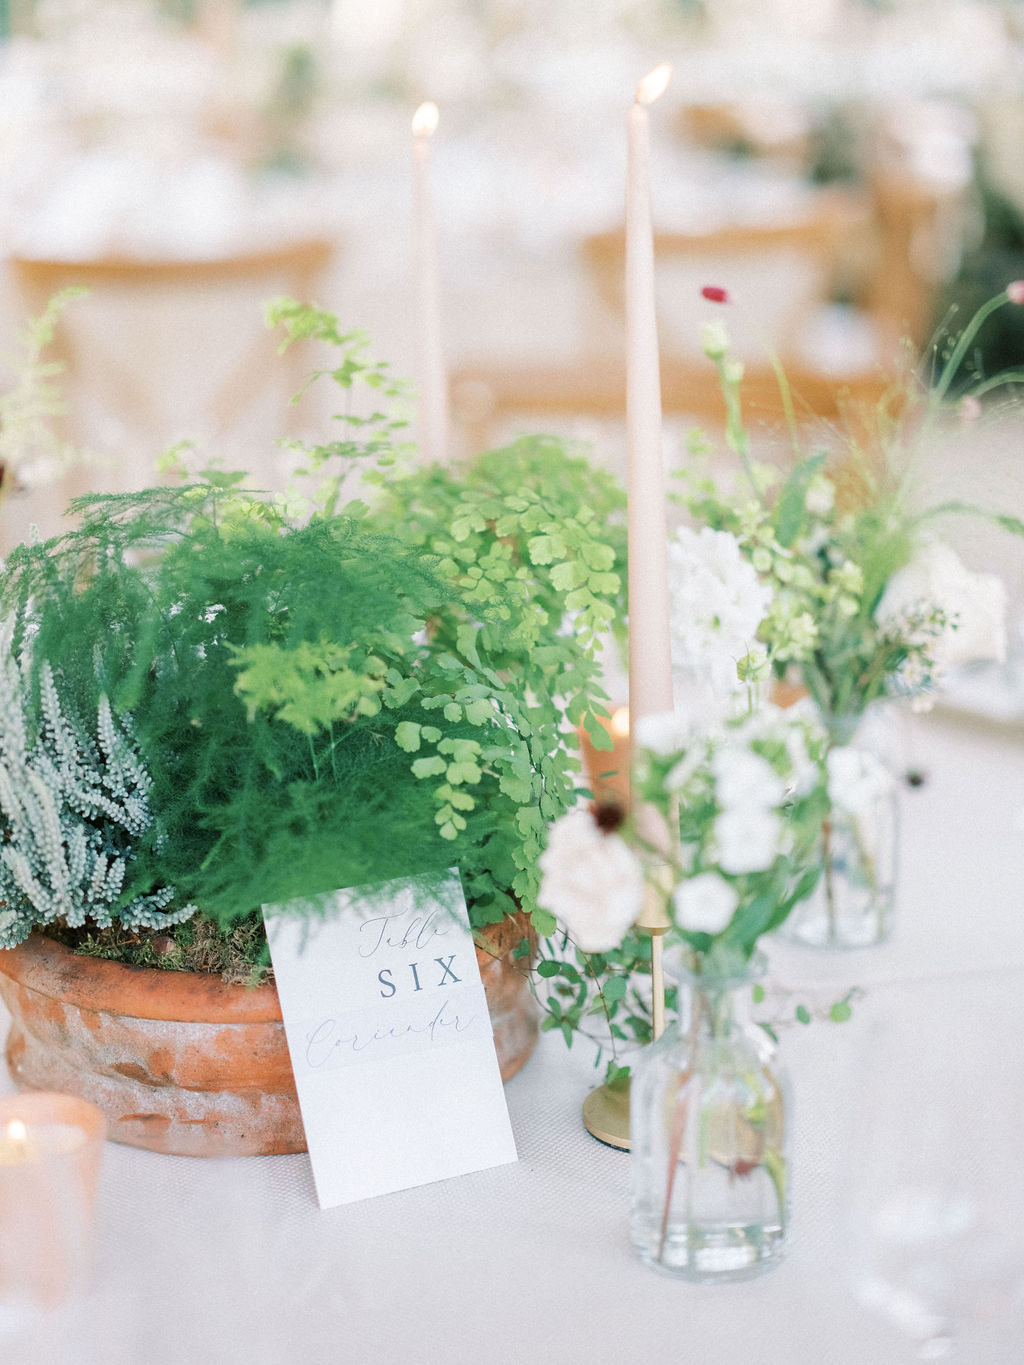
(606, 1109)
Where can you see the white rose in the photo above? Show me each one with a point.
(974, 604)
(664, 734)
(748, 839)
(590, 881)
(705, 904)
(717, 604)
(681, 773)
(743, 778)
(856, 779)
(805, 770)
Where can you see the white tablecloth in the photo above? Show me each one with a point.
(233, 1262)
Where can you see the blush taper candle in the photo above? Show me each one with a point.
(433, 375)
(650, 663)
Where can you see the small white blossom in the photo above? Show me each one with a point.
(821, 496)
(748, 839)
(590, 881)
(705, 904)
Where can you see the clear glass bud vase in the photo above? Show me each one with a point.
(709, 1118)
(851, 906)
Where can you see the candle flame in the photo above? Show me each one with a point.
(620, 722)
(654, 84)
(16, 1131)
(424, 121)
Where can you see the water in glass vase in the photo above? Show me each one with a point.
(708, 1121)
(852, 904)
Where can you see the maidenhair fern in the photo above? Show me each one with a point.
(74, 802)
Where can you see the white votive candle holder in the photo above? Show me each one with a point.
(50, 1150)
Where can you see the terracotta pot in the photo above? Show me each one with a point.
(182, 1063)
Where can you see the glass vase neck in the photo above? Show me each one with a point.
(841, 726)
(711, 1001)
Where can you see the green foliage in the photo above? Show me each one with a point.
(604, 997)
(733, 852)
(985, 266)
(830, 531)
(328, 695)
(531, 542)
(29, 449)
(269, 782)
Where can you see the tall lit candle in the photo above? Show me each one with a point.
(433, 376)
(650, 662)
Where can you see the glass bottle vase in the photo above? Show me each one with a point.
(709, 1117)
(851, 907)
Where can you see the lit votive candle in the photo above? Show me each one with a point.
(50, 1149)
(608, 769)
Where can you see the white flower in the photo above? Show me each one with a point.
(705, 904)
(689, 765)
(664, 734)
(745, 779)
(820, 497)
(590, 881)
(856, 779)
(974, 605)
(748, 839)
(717, 604)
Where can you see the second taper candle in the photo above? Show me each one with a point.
(433, 375)
(650, 660)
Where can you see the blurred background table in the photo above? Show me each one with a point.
(173, 132)
(232, 1261)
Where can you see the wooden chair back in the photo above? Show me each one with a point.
(165, 350)
(778, 275)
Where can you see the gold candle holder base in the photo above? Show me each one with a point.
(606, 1111)
(606, 1116)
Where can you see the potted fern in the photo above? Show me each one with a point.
(214, 700)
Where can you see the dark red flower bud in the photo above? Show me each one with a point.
(607, 816)
(715, 293)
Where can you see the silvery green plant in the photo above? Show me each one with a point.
(74, 801)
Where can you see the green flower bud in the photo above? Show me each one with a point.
(715, 340)
(733, 371)
(761, 560)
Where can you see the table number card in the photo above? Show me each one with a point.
(390, 1039)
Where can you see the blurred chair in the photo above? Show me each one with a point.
(771, 129)
(173, 349)
(919, 168)
(779, 277)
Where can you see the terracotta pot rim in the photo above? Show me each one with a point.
(52, 969)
